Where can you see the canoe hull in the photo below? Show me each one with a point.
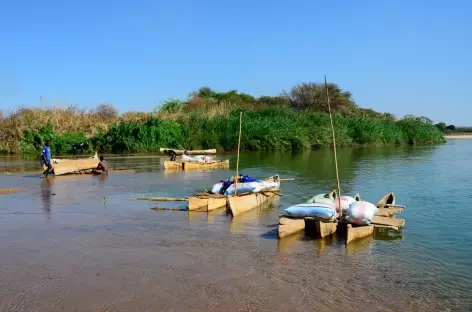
(354, 233)
(239, 204)
(194, 152)
(74, 165)
(206, 204)
(195, 165)
(387, 200)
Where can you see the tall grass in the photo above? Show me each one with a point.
(264, 129)
(205, 124)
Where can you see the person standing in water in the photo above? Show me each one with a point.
(46, 163)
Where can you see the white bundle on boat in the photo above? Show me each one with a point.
(198, 158)
(247, 187)
(361, 212)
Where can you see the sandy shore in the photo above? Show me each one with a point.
(459, 136)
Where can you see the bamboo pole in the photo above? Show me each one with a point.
(334, 148)
(237, 161)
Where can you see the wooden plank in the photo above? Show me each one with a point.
(388, 221)
(354, 233)
(388, 212)
(326, 228)
(289, 227)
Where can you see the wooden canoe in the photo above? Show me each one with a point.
(387, 200)
(66, 166)
(195, 165)
(191, 152)
(354, 233)
(241, 203)
(289, 226)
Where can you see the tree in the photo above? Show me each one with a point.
(171, 106)
(106, 111)
(203, 92)
(273, 100)
(313, 95)
(441, 126)
(451, 127)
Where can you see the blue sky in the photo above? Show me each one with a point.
(404, 57)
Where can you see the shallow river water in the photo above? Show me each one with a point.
(78, 243)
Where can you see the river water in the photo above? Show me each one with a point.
(78, 243)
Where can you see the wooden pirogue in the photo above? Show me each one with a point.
(384, 218)
(192, 165)
(68, 166)
(235, 204)
(190, 152)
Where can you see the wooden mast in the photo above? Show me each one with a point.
(334, 148)
(237, 161)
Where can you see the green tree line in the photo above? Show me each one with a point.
(292, 120)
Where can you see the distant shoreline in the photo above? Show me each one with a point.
(459, 136)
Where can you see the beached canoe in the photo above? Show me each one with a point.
(190, 152)
(195, 165)
(67, 166)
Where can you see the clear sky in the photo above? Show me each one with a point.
(404, 57)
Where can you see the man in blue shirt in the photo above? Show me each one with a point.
(46, 158)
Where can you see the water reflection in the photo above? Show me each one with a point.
(359, 246)
(322, 245)
(46, 195)
(289, 243)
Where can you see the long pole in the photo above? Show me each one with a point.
(334, 148)
(237, 161)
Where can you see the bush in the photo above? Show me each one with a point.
(148, 136)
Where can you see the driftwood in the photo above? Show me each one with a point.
(166, 208)
(161, 198)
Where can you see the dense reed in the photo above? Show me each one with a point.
(209, 119)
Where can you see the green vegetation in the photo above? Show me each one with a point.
(208, 119)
